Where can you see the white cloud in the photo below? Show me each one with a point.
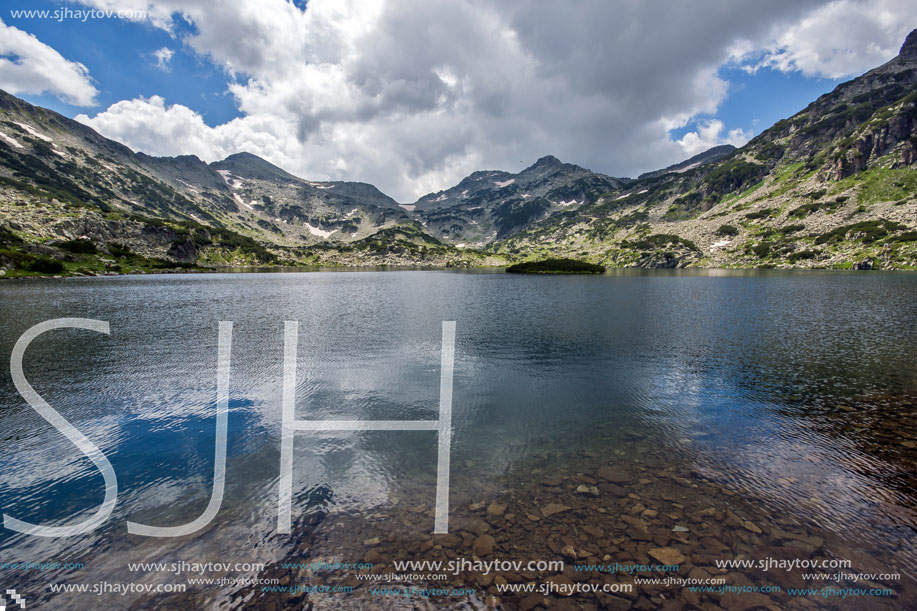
(163, 56)
(412, 95)
(840, 39)
(154, 127)
(709, 134)
(29, 66)
(149, 125)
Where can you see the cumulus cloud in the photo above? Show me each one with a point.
(840, 39)
(29, 66)
(163, 56)
(157, 128)
(412, 95)
(709, 134)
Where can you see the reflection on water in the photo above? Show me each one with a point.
(788, 395)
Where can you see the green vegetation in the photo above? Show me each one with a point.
(28, 262)
(770, 151)
(733, 175)
(401, 242)
(761, 214)
(8, 237)
(399, 232)
(41, 148)
(805, 210)
(632, 218)
(881, 184)
(744, 194)
(659, 240)
(556, 266)
(42, 180)
(20, 262)
(118, 250)
(43, 265)
(789, 172)
(865, 231)
(79, 246)
(801, 254)
(688, 206)
(791, 169)
(760, 250)
(202, 235)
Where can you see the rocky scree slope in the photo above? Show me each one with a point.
(835, 185)
(832, 186)
(74, 202)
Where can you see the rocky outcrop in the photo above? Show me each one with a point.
(184, 251)
(777, 194)
(909, 48)
(898, 132)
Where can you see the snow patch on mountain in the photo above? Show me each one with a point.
(10, 141)
(229, 179)
(318, 232)
(32, 132)
(239, 200)
(629, 194)
(688, 167)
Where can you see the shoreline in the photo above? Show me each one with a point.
(611, 271)
(588, 509)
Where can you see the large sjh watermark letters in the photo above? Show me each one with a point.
(442, 426)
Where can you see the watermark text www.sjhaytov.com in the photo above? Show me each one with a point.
(82, 15)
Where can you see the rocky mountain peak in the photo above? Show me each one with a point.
(547, 161)
(909, 48)
(247, 165)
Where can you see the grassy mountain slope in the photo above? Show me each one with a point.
(74, 202)
(834, 186)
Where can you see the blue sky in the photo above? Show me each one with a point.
(119, 55)
(757, 101)
(414, 96)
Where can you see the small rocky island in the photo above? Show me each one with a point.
(556, 266)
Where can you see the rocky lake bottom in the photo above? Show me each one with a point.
(618, 499)
(718, 440)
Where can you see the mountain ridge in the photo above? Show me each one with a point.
(712, 154)
(831, 186)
